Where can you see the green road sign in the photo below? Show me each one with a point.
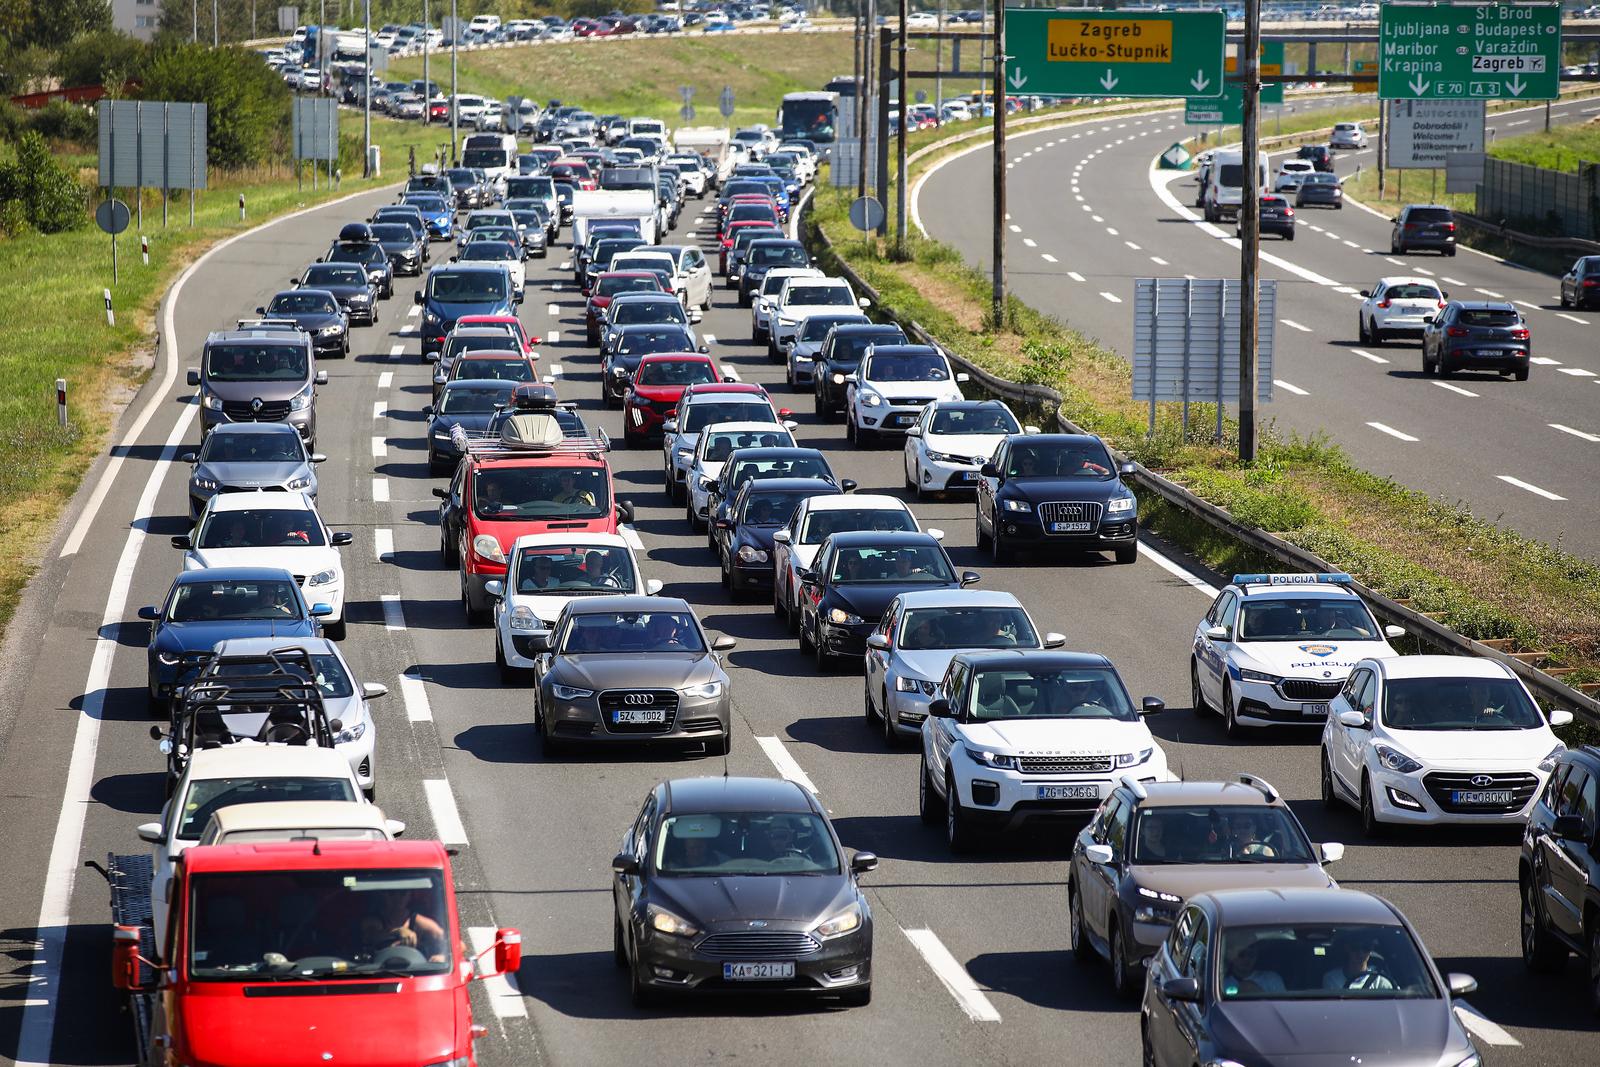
(1228, 109)
(1115, 53)
(1482, 51)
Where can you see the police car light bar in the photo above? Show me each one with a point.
(1293, 579)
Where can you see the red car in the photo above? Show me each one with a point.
(575, 171)
(607, 285)
(725, 212)
(657, 386)
(732, 231)
(584, 27)
(511, 322)
(439, 110)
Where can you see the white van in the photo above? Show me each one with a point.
(1224, 183)
(484, 23)
(647, 128)
(494, 153)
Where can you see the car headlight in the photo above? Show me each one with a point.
(331, 331)
(705, 691)
(205, 485)
(323, 577)
(570, 692)
(430, 317)
(302, 482)
(684, 453)
(301, 401)
(213, 402)
(1259, 676)
(169, 659)
(751, 554)
(844, 922)
(1153, 913)
(360, 298)
(941, 457)
(351, 733)
(841, 617)
(1548, 764)
(441, 435)
(1395, 760)
(663, 921)
(996, 760)
(784, 320)
(1118, 505)
(488, 546)
(838, 379)
(523, 618)
(1133, 759)
(869, 399)
(905, 683)
(1016, 505)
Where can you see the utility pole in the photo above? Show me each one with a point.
(864, 100)
(216, 26)
(900, 145)
(427, 91)
(938, 63)
(194, 14)
(455, 50)
(366, 90)
(999, 101)
(1250, 230)
(881, 152)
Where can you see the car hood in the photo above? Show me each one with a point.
(545, 607)
(1371, 1032)
(1474, 749)
(307, 560)
(942, 390)
(618, 670)
(1058, 737)
(251, 475)
(345, 292)
(315, 320)
(711, 469)
(927, 663)
(1313, 659)
(978, 445)
(1038, 489)
(1190, 879)
(799, 899)
(758, 536)
(797, 312)
(265, 390)
(470, 423)
(869, 601)
(658, 393)
(203, 636)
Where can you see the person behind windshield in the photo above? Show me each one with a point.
(286, 532)
(1356, 971)
(666, 631)
(1153, 841)
(395, 922)
(1247, 839)
(1242, 971)
(696, 852)
(272, 599)
(569, 493)
(541, 574)
(851, 568)
(907, 564)
(760, 513)
(1027, 465)
(925, 634)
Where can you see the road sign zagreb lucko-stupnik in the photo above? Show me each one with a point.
(1465, 52)
(1114, 53)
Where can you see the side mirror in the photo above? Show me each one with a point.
(416, 297)
(181, 541)
(1567, 828)
(940, 709)
(1181, 989)
(669, 426)
(189, 457)
(625, 511)
(541, 641)
(863, 302)
(1128, 467)
(1030, 430)
(989, 470)
(262, 310)
(321, 377)
(318, 457)
(935, 533)
(970, 578)
(849, 485)
(1055, 640)
(852, 378)
(427, 410)
(724, 644)
(395, 827)
(863, 863)
(1354, 720)
(1217, 633)
(1330, 852)
(495, 588)
(723, 524)
(507, 950)
(1561, 717)
(878, 643)
(431, 357)
(1394, 631)
(914, 431)
(963, 376)
(442, 494)
(1461, 984)
(652, 586)
(150, 833)
(624, 864)
(1366, 292)
(1427, 320)
(194, 376)
(374, 690)
(341, 537)
(150, 613)
(321, 611)
(1100, 854)
(1151, 705)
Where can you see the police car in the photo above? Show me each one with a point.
(1276, 648)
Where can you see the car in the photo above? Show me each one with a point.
(272, 530)
(533, 221)
(370, 256)
(952, 440)
(606, 287)
(795, 546)
(597, 254)
(407, 215)
(507, 255)
(462, 340)
(629, 344)
(449, 292)
(713, 446)
(745, 464)
(1337, 970)
(406, 248)
(258, 373)
(1426, 226)
(203, 607)
(348, 283)
(891, 387)
(1320, 156)
(1277, 648)
(1291, 172)
(800, 924)
(691, 278)
(306, 820)
(742, 533)
(765, 253)
(1275, 217)
(1580, 286)
(699, 407)
(1321, 190)
(1558, 871)
(734, 247)
(1347, 135)
(920, 633)
(437, 212)
(1014, 737)
(921, 20)
(481, 218)
(1477, 335)
(655, 389)
(800, 297)
(510, 325)
(839, 360)
(470, 192)
(1061, 492)
(764, 299)
(503, 365)
(1151, 847)
(1428, 740)
(631, 669)
(544, 572)
(1397, 307)
(800, 358)
(243, 458)
(640, 309)
(467, 403)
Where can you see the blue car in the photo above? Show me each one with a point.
(207, 606)
(462, 289)
(779, 193)
(437, 215)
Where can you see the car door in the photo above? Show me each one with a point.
(877, 661)
(699, 277)
(989, 485)
(943, 735)
(783, 556)
(627, 888)
(1567, 860)
(1099, 886)
(916, 449)
(450, 509)
(1348, 754)
(1176, 1039)
(1211, 654)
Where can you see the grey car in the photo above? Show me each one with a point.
(258, 374)
(260, 457)
(630, 669)
(809, 335)
(1301, 977)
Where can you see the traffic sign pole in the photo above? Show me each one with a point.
(999, 101)
(1249, 230)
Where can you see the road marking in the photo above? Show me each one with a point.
(380, 448)
(553, 337)
(1131, 245)
(380, 490)
(1113, 297)
(1490, 293)
(1173, 568)
(505, 998)
(709, 338)
(413, 311)
(1158, 261)
(1369, 356)
(1423, 270)
(629, 534)
(1529, 486)
(1590, 437)
(1572, 318)
(1346, 289)
(954, 976)
(1015, 228)
(1544, 361)
(1078, 197)
(446, 816)
(1396, 262)
(1481, 1026)
(1112, 231)
(380, 408)
(1577, 372)
(386, 379)
(1315, 227)
(1030, 242)
(394, 615)
(1293, 325)
(566, 264)
(396, 351)
(1392, 432)
(383, 544)
(1047, 257)
(553, 310)
(1331, 235)
(415, 697)
(410, 330)
(1351, 244)
(732, 372)
(1097, 218)
(1455, 389)
(1519, 122)
(1451, 281)
(1086, 207)
(1074, 275)
(1295, 389)
(785, 763)
(1525, 304)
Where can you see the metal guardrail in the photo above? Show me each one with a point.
(1575, 246)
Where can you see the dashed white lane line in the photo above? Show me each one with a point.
(553, 310)
(1074, 275)
(380, 490)
(1451, 281)
(505, 998)
(1490, 293)
(1086, 207)
(1483, 1028)
(386, 379)
(1131, 245)
(1593, 439)
(1097, 218)
(1525, 304)
(1392, 432)
(1544, 361)
(1577, 372)
(1368, 356)
(1519, 122)
(394, 615)
(383, 544)
(1047, 257)
(380, 408)
(553, 337)
(732, 372)
(1351, 244)
(415, 697)
(1530, 487)
(566, 264)
(446, 816)
(1158, 261)
(1014, 228)
(1286, 387)
(709, 338)
(954, 976)
(410, 330)
(413, 311)
(1396, 262)
(629, 534)
(1113, 297)
(1030, 242)
(1111, 230)
(396, 351)
(1455, 389)
(1423, 270)
(1293, 325)
(1572, 318)
(785, 763)
(380, 447)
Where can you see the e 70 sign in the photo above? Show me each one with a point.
(1466, 52)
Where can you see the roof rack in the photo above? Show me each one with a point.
(1334, 578)
(552, 442)
(1134, 786)
(269, 324)
(1255, 781)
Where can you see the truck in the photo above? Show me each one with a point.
(301, 952)
(493, 153)
(1223, 190)
(712, 143)
(605, 205)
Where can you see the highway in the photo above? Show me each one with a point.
(1089, 216)
(971, 959)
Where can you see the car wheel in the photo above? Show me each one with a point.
(1230, 713)
(508, 674)
(475, 616)
(891, 736)
(981, 538)
(998, 551)
(857, 996)
(1128, 554)
(1594, 965)
(1451, 252)
(850, 430)
(1289, 236)
(1147, 1051)
(1362, 333)
(1370, 826)
(928, 802)
(1542, 952)
(803, 634)
(688, 510)
(642, 995)
(819, 651)
(448, 555)
(1197, 697)
(1330, 796)
(1522, 375)
(619, 949)
(334, 631)
(553, 746)
(1082, 950)
(867, 710)
(1564, 302)
(1124, 976)
(958, 831)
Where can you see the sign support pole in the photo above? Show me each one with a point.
(1250, 229)
(882, 153)
(998, 99)
(455, 51)
(366, 92)
(900, 144)
(1383, 142)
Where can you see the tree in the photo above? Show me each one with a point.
(53, 23)
(38, 191)
(247, 105)
(99, 58)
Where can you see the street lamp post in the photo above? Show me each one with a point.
(366, 91)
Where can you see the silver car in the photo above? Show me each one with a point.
(809, 335)
(631, 668)
(256, 457)
(920, 633)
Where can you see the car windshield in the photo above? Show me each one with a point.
(625, 312)
(462, 179)
(224, 447)
(646, 340)
(208, 795)
(434, 204)
(331, 677)
(746, 236)
(369, 254)
(493, 251)
(264, 528)
(984, 420)
(701, 415)
(745, 845)
(816, 327)
(535, 186)
(953, 627)
(392, 231)
(675, 372)
(484, 157)
(818, 296)
(610, 247)
(348, 924)
(849, 348)
(236, 362)
(1067, 693)
(333, 274)
(779, 256)
(623, 284)
(720, 444)
(1046, 459)
(771, 509)
(542, 492)
(473, 399)
(505, 370)
(1458, 704)
(231, 601)
(1411, 291)
(899, 565)
(819, 525)
(1323, 962)
(530, 218)
(575, 569)
(907, 367)
(1300, 619)
(468, 287)
(1229, 833)
(801, 465)
(304, 303)
(748, 212)
(633, 632)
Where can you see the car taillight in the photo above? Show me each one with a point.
(1457, 331)
(1411, 225)
(1441, 305)
(1383, 303)
(1519, 334)
(1449, 227)
(1590, 283)
(1288, 212)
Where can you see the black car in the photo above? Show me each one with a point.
(1322, 190)
(739, 885)
(1559, 870)
(1320, 155)
(349, 283)
(1476, 335)
(469, 192)
(743, 535)
(840, 356)
(371, 257)
(1424, 226)
(437, 184)
(564, 192)
(1276, 216)
(407, 251)
(745, 464)
(854, 578)
(632, 344)
(599, 257)
(763, 255)
(468, 403)
(1580, 286)
(408, 214)
(1060, 491)
(316, 311)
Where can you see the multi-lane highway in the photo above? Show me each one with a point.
(1089, 215)
(971, 954)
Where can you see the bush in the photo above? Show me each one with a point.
(100, 58)
(247, 105)
(38, 191)
(61, 121)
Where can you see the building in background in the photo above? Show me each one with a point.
(137, 18)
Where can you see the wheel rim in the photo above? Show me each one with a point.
(1076, 931)
(1529, 921)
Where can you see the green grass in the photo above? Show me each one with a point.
(1560, 149)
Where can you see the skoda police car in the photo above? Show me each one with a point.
(1276, 648)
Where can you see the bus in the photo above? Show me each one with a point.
(843, 85)
(812, 116)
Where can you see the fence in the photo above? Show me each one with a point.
(1545, 201)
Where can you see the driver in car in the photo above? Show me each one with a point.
(1357, 970)
(396, 923)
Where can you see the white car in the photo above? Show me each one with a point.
(1396, 307)
(292, 820)
(699, 409)
(1290, 174)
(1347, 135)
(794, 548)
(1428, 740)
(952, 439)
(921, 20)
(764, 300)
(711, 451)
(893, 385)
(272, 530)
(1277, 648)
(1014, 735)
(216, 778)
(468, 108)
(691, 275)
(800, 298)
(544, 571)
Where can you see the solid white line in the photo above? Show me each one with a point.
(415, 696)
(1177, 570)
(383, 544)
(1519, 122)
(1591, 438)
(380, 408)
(1047, 257)
(1455, 389)
(1158, 261)
(1113, 297)
(1392, 432)
(386, 379)
(505, 999)
(1074, 275)
(1368, 356)
(446, 817)
(785, 763)
(1572, 318)
(1482, 1027)
(380, 448)
(1529, 486)
(1286, 387)
(1293, 325)
(1490, 293)
(953, 976)
(396, 351)
(394, 616)
(380, 490)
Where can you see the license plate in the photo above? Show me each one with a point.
(768, 971)
(1319, 711)
(1069, 792)
(1071, 527)
(639, 715)
(968, 476)
(1480, 796)
(902, 420)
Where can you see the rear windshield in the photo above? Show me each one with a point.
(392, 231)
(613, 286)
(675, 372)
(1482, 317)
(473, 399)
(1411, 292)
(1429, 214)
(819, 296)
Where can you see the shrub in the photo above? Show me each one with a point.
(247, 105)
(99, 58)
(61, 121)
(36, 189)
